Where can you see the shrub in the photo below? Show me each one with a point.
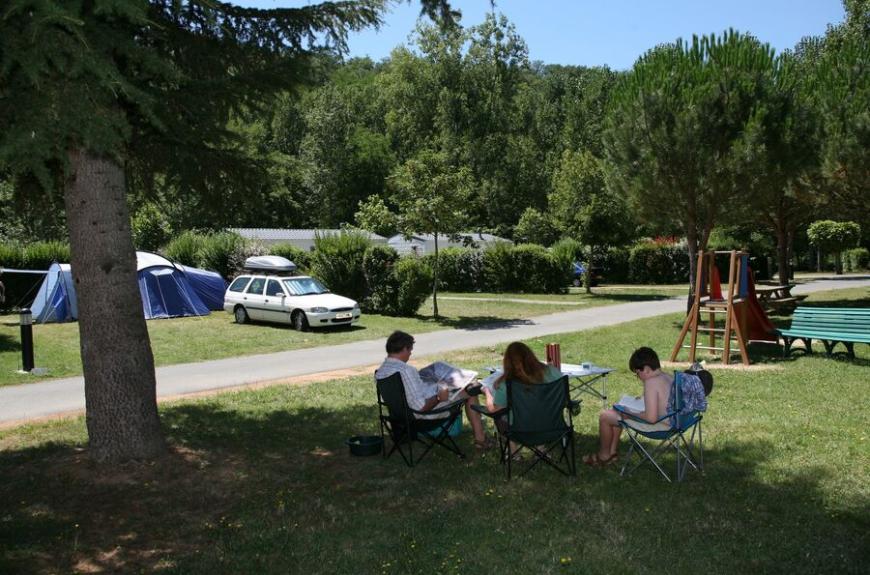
(379, 267)
(298, 256)
(185, 249)
(459, 269)
(22, 288)
(614, 264)
(658, 263)
(11, 255)
(567, 251)
(415, 282)
(338, 263)
(856, 259)
(537, 271)
(151, 228)
(498, 267)
(224, 252)
(526, 268)
(40, 255)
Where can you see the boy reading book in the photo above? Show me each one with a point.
(644, 363)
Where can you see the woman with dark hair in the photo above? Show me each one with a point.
(520, 365)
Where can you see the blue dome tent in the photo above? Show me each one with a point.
(166, 291)
(56, 299)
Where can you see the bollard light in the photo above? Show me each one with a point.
(26, 321)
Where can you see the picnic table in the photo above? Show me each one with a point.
(777, 297)
(586, 377)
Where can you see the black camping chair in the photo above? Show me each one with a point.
(400, 422)
(538, 417)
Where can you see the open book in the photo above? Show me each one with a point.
(631, 403)
(441, 373)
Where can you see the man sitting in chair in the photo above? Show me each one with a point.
(424, 396)
(644, 363)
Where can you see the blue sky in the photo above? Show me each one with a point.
(608, 32)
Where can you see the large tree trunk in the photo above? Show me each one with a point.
(120, 385)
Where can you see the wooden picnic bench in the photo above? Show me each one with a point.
(777, 297)
(830, 325)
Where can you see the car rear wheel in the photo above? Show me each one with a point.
(241, 315)
(300, 321)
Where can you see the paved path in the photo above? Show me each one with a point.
(35, 400)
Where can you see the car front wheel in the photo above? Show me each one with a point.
(241, 315)
(300, 322)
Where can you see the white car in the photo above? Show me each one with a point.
(301, 301)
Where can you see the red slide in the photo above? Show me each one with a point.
(758, 326)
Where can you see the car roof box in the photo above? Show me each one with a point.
(270, 264)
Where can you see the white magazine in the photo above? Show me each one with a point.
(442, 373)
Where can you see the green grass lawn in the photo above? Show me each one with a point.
(56, 346)
(261, 482)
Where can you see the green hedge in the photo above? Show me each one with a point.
(652, 263)
(298, 256)
(459, 269)
(856, 260)
(222, 252)
(21, 288)
(527, 268)
(614, 264)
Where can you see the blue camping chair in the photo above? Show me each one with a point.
(680, 436)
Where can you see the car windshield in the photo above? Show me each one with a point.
(304, 286)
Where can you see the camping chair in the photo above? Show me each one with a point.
(399, 421)
(676, 437)
(535, 417)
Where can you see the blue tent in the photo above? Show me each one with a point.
(209, 286)
(56, 299)
(165, 289)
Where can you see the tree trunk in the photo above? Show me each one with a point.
(435, 281)
(588, 274)
(782, 254)
(692, 247)
(120, 385)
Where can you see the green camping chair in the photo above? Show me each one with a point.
(538, 417)
(685, 427)
(400, 422)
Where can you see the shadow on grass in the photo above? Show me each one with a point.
(276, 491)
(474, 322)
(625, 297)
(9, 343)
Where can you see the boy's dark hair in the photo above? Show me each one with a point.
(398, 341)
(642, 357)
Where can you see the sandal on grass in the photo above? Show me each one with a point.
(592, 460)
(485, 444)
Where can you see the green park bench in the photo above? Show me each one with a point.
(830, 325)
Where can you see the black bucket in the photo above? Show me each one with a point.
(362, 445)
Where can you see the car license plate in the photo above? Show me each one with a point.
(343, 315)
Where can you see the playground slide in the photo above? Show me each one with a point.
(758, 326)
